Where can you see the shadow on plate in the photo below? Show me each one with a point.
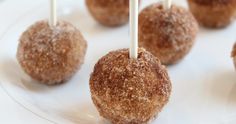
(224, 86)
(78, 113)
(12, 73)
(82, 113)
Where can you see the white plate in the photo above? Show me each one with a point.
(204, 83)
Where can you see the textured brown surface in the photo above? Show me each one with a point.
(214, 2)
(213, 13)
(51, 55)
(233, 54)
(129, 91)
(109, 12)
(168, 34)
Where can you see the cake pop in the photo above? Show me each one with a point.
(128, 88)
(109, 12)
(51, 52)
(213, 13)
(169, 34)
(129, 91)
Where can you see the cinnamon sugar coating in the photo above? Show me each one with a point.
(214, 2)
(109, 12)
(51, 55)
(129, 91)
(167, 34)
(213, 13)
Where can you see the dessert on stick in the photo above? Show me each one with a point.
(51, 51)
(130, 86)
(167, 31)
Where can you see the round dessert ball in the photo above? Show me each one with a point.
(213, 13)
(233, 54)
(51, 55)
(168, 34)
(109, 12)
(129, 91)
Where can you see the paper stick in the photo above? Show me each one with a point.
(53, 13)
(134, 11)
(167, 4)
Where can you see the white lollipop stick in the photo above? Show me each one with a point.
(53, 13)
(167, 4)
(134, 10)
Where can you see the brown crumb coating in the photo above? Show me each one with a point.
(109, 12)
(129, 91)
(51, 55)
(233, 54)
(214, 2)
(213, 13)
(168, 34)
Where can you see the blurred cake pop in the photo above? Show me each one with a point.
(233, 54)
(213, 13)
(169, 34)
(109, 12)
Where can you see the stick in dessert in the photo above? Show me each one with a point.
(130, 86)
(167, 31)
